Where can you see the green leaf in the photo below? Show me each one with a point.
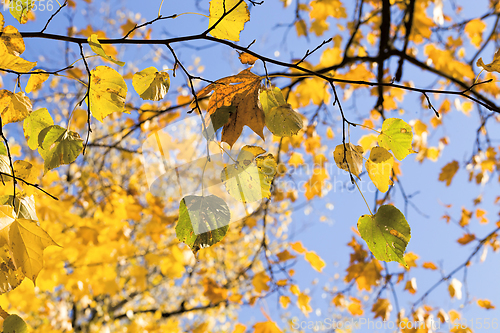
(283, 121)
(20, 9)
(203, 221)
(14, 324)
(97, 48)
(218, 119)
(249, 178)
(58, 146)
(387, 233)
(34, 124)
(3, 149)
(151, 84)
(232, 24)
(271, 98)
(396, 136)
(108, 91)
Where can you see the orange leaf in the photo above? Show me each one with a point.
(466, 239)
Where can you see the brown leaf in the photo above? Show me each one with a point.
(242, 92)
(447, 172)
(382, 308)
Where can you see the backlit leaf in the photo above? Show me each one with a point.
(13, 40)
(12, 62)
(396, 136)
(315, 261)
(379, 168)
(232, 24)
(14, 107)
(34, 124)
(247, 59)
(35, 81)
(242, 92)
(20, 9)
(387, 233)
(97, 48)
(107, 92)
(151, 84)
(283, 121)
(249, 178)
(484, 303)
(493, 66)
(349, 158)
(28, 241)
(203, 221)
(58, 146)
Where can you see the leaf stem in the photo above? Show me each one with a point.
(355, 182)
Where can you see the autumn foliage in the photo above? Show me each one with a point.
(140, 195)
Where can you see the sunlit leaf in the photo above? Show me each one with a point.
(13, 40)
(232, 24)
(12, 62)
(108, 91)
(97, 48)
(20, 9)
(58, 146)
(249, 178)
(203, 221)
(493, 66)
(242, 92)
(151, 84)
(349, 158)
(34, 124)
(387, 233)
(35, 81)
(14, 107)
(379, 168)
(396, 136)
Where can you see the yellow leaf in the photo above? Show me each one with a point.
(301, 28)
(429, 265)
(296, 160)
(97, 48)
(379, 168)
(382, 308)
(14, 107)
(294, 289)
(410, 259)
(484, 303)
(12, 62)
(232, 23)
(266, 327)
(239, 328)
(367, 141)
(455, 289)
(151, 84)
(494, 66)
(284, 301)
(448, 172)
(27, 241)
(466, 239)
(260, 281)
(107, 92)
(35, 81)
(303, 303)
(13, 40)
(355, 307)
(474, 30)
(213, 291)
(298, 247)
(349, 158)
(247, 59)
(329, 133)
(411, 285)
(315, 261)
